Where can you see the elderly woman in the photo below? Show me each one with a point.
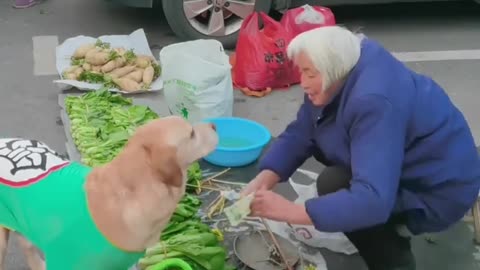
(400, 156)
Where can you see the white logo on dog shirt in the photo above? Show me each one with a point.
(23, 162)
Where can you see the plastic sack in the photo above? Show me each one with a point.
(197, 80)
(308, 235)
(261, 58)
(304, 18)
(336, 242)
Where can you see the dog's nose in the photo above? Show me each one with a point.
(213, 126)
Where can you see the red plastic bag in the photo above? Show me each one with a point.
(261, 61)
(304, 18)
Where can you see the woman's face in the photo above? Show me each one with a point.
(311, 81)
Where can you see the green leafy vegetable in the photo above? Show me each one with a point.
(102, 122)
(96, 77)
(101, 44)
(187, 238)
(77, 62)
(195, 176)
(130, 56)
(91, 77)
(157, 70)
(112, 55)
(201, 248)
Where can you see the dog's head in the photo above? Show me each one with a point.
(171, 144)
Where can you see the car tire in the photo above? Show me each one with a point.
(180, 25)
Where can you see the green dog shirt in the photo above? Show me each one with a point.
(42, 197)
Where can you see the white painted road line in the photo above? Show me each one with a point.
(44, 55)
(432, 55)
(438, 55)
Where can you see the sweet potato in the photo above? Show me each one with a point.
(70, 76)
(70, 69)
(120, 62)
(87, 66)
(127, 84)
(111, 65)
(96, 68)
(148, 75)
(120, 72)
(81, 51)
(78, 71)
(120, 51)
(142, 61)
(97, 58)
(136, 75)
(90, 53)
(149, 57)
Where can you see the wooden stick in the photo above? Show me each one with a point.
(203, 187)
(282, 255)
(219, 203)
(227, 182)
(211, 185)
(214, 201)
(216, 175)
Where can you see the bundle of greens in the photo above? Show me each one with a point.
(112, 67)
(187, 238)
(101, 123)
(201, 250)
(185, 218)
(195, 177)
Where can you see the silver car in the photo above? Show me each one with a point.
(221, 19)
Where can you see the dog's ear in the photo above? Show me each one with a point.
(164, 163)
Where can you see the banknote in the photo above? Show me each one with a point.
(238, 211)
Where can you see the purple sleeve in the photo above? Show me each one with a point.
(377, 133)
(291, 148)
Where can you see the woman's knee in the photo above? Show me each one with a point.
(333, 179)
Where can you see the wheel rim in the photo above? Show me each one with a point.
(217, 17)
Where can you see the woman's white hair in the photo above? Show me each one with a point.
(333, 50)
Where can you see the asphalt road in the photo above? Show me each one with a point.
(29, 99)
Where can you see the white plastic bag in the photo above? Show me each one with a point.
(305, 18)
(310, 15)
(336, 242)
(197, 79)
(137, 41)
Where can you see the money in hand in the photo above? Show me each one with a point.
(238, 211)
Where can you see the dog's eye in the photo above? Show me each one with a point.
(192, 135)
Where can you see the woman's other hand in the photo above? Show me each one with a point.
(270, 205)
(265, 180)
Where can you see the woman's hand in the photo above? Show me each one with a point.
(270, 205)
(265, 180)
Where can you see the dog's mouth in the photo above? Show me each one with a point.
(203, 142)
